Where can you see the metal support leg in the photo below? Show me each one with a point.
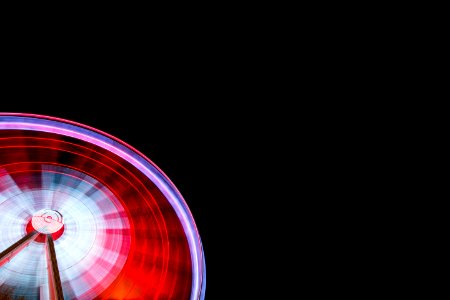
(12, 251)
(54, 280)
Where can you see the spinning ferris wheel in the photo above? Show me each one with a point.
(84, 215)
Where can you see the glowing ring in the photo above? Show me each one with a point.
(51, 125)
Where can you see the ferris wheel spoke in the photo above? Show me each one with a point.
(54, 279)
(15, 248)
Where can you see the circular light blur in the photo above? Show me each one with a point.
(123, 230)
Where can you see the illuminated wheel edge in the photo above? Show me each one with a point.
(18, 121)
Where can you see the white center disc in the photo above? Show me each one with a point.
(47, 221)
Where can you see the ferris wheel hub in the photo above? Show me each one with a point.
(47, 221)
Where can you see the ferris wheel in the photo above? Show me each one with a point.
(83, 215)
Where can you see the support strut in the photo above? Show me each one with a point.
(8, 254)
(54, 280)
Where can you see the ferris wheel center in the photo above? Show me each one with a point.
(47, 221)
